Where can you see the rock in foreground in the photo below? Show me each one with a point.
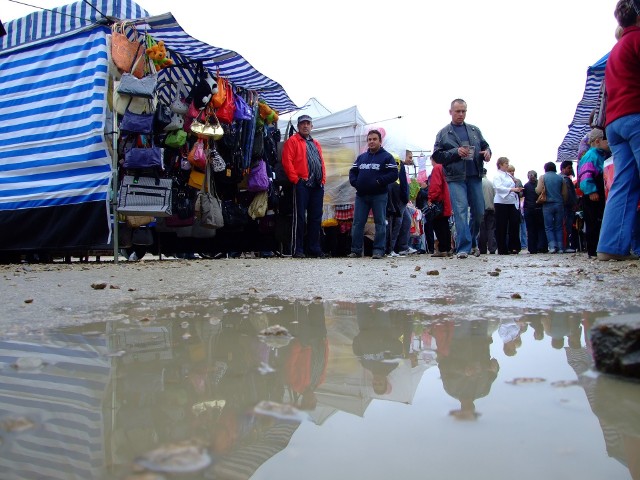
(616, 345)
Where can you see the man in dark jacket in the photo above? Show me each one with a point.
(371, 174)
(461, 149)
(533, 219)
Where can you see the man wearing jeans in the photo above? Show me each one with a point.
(371, 174)
(461, 149)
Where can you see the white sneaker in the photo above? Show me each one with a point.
(133, 257)
(394, 254)
(408, 251)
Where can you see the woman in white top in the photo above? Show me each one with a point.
(506, 201)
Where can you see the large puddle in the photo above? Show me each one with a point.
(355, 392)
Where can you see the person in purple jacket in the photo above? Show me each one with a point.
(370, 175)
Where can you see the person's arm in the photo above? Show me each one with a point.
(540, 185)
(288, 153)
(443, 152)
(484, 147)
(389, 171)
(436, 189)
(353, 173)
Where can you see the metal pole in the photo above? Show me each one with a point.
(114, 179)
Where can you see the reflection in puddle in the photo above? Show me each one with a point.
(271, 389)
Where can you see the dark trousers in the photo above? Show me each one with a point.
(569, 218)
(308, 213)
(507, 228)
(536, 236)
(593, 212)
(487, 235)
(443, 233)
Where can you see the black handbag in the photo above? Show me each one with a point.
(431, 211)
(161, 118)
(145, 196)
(236, 217)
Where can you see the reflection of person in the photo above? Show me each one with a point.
(619, 231)
(463, 169)
(466, 367)
(370, 175)
(506, 202)
(377, 346)
(306, 364)
(303, 163)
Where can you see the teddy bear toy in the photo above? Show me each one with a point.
(158, 53)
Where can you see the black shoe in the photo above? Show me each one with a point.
(299, 255)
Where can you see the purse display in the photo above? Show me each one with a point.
(141, 123)
(206, 129)
(144, 87)
(145, 196)
(179, 103)
(125, 52)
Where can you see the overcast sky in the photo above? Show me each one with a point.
(521, 66)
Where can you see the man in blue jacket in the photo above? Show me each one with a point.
(461, 149)
(370, 175)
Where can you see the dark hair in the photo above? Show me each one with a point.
(565, 164)
(457, 100)
(375, 132)
(550, 167)
(626, 13)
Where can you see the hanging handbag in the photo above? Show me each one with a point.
(243, 111)
(145, 196)
(227, 110)
(235, 216)
(203, 129)
(176, 139)
(198, 156)
(122, 102)
(208, 208)
(176, 123)
(217, 162)
(161, 118)
(140, 123)
(135, 221)
(217, 100)
(258, 206)
(143, 157)
(138, 87)
(196, 179)
(125, 52)
(179, 104)
(258, 180)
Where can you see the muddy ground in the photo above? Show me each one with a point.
(36, 296)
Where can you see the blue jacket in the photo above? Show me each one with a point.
(371, 173)
(445, 152)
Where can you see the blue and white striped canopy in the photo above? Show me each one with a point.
(579, 126)
(54, 78)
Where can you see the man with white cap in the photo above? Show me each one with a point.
(303, 164)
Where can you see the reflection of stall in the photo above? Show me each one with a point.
(61, 404)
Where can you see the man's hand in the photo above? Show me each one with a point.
(594, 197)
(486, 155)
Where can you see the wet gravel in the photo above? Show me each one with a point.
(37, 296)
